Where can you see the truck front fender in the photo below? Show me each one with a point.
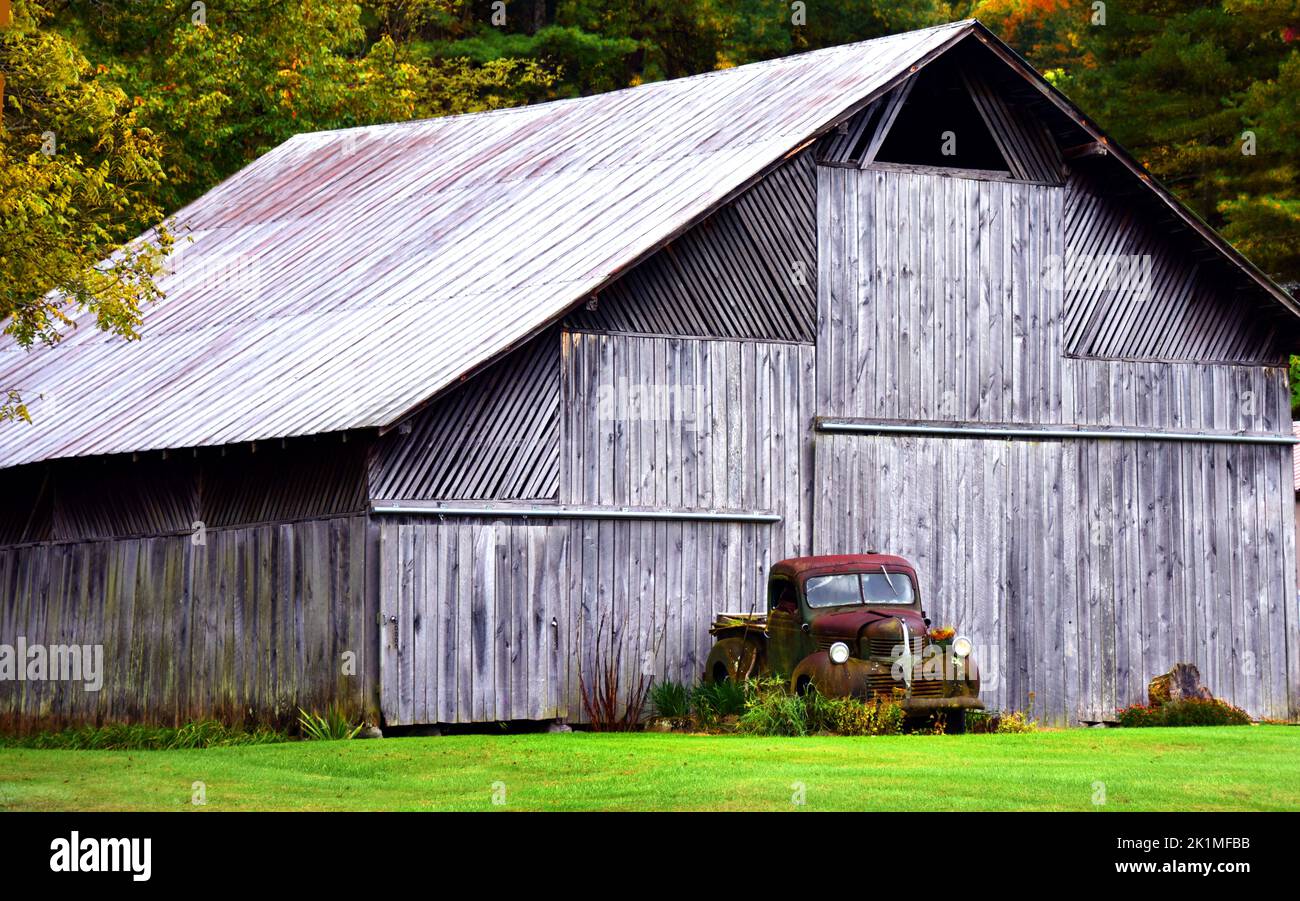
(836, 680)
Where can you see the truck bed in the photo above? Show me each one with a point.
(738, 623)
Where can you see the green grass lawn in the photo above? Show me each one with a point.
(1222, 768)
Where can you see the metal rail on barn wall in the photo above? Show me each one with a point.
(569, 512)
(989, 430)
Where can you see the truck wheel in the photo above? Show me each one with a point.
(733, 658)
(955, 722)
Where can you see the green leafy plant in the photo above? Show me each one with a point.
(1187, 712)
(333, 725)
(852, 716)
(671, 699)
(876, 717)
(1015, 722)
(711, 702)
(770, 709)
(143, 737)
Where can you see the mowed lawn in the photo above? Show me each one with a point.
(1242, 768)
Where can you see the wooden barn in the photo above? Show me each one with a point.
(431, 405)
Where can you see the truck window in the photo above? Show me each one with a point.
(784, 597)
(858, 588)
(833, 591)
(896, 589)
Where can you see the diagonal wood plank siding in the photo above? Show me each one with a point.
(247, 627)
(494, 438)
(748, 271)
(1167, 306)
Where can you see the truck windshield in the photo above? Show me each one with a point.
(858, 588)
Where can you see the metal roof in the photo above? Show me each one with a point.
(346, 277)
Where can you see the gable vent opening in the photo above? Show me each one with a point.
(947, 119)
(939, 126)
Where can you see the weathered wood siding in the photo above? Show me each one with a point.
(494, 437)
(748, 271)
(658, 423)
(472, 612)
(474, 601)
(943, 299)
(689, 424)
(248, 626)
(1132, 290)
(1080, 568)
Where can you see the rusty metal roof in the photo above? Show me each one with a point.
(345, 277)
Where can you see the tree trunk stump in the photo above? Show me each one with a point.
(1183, 681)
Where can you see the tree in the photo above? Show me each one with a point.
(1204, 93)
(225, 86)
(77, 170)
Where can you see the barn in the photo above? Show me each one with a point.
(431, 407)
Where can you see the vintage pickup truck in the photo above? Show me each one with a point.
(850, 626)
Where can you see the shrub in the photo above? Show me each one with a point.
(1001, 722)
(611, 707)
(850, 716)
(1015, 722)
(772, 710)
(142, 737)
(1187, 712)
(711, 702)
(671, 699)
(333, 725)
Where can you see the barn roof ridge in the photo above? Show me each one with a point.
(645, 85)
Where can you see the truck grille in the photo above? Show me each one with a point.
(884, 684)
(887, 648)
(883, 648)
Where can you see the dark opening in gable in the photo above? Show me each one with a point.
(940, 126)
(953, 115)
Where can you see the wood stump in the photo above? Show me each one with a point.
(1183, 681)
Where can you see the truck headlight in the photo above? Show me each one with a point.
(839, 652)
(961, 646)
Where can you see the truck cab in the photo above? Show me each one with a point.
(849, 626)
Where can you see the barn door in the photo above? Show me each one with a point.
(473, 624)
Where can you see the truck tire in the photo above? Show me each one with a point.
(733, 658)
(955, 722)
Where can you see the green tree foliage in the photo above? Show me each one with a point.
(225, 83)
(77, 172)
(1205, 94)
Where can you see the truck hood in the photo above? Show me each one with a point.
(869, 622)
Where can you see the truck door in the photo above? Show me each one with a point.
(786, 639)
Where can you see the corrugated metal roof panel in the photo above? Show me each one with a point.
(344, 277)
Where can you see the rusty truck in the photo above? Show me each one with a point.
(850, 626)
